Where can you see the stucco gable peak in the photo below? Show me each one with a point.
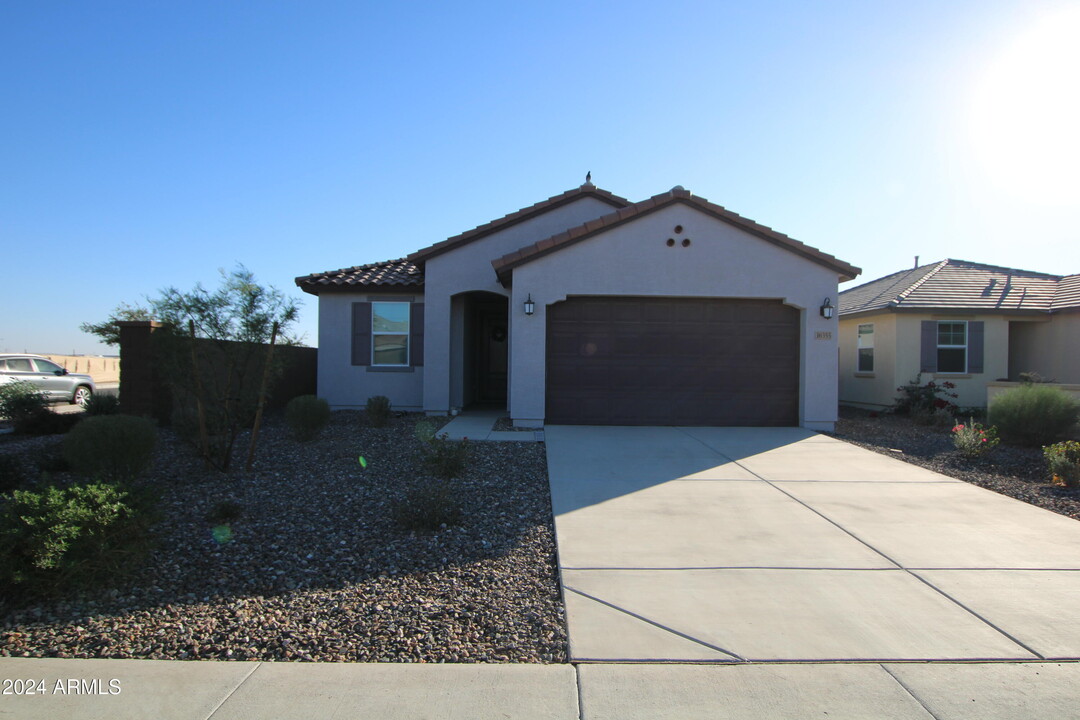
(504, 265)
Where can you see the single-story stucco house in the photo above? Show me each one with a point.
(964, 322)
(586, 308)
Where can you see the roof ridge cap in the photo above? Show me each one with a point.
(904, 294)
(1021, 271)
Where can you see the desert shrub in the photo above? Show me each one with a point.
(225, 511)
(68, 537)
(378, 410)
(111, 447)
(11, 473)
(427, 505)
(425, 430)
(307, 415)
(1063, 461)
(916, 397)
(21, 403)
(973, 439)
(442, 457)
(100, 404)
(1033, 414)
(445, 458)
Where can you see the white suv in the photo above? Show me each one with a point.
(55, 382)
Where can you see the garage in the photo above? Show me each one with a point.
(672, 361)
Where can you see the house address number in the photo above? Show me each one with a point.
(823, 335)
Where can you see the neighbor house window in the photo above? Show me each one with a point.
(866, 348)
(389, 333)
(952, 347)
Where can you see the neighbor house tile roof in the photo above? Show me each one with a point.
(399, 273)
(963, 285)
(504, 266)
(1068, 293)
(586, 190)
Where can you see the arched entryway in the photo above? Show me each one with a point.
(485, 354)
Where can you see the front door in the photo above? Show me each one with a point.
(492, 355)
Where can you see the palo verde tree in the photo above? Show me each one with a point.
(215, 354)
(217, 351)
(108, 331)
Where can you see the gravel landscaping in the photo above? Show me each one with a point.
(1018, 472)
(316, 567)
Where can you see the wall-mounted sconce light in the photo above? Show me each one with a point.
(827, 309)
(530, 306)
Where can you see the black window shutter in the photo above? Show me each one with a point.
(975, 346)
(416, 334)
(928, 361)
(361, 333)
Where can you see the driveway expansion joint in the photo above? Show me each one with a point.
(233, 691)
(912, 693)
(655, 624)
(898, 565)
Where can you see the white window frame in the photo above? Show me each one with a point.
(964, 347)
(859, 347)
(406, 334)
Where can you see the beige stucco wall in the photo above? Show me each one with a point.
(104, 370)
(633, 259)
(897, 355)
(876, 389)
(468, 269)
(345, 385)
(1050, 348)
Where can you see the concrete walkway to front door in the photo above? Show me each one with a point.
(732, 545)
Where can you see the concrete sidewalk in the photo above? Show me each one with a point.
(479, 425)
(173, 690)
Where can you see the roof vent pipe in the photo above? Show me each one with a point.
(916, 261)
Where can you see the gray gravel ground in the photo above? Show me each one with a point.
(317, 569)
(1014, 471)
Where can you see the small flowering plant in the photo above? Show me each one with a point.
(973, 439)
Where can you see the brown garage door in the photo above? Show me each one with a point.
(672, 361)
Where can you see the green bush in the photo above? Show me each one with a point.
(916, 398)
(1033, 414)
(11, 473)
(307, 415)
(100, 404)
(22, 403)
(427, 505)
(446, 458)
(378, 410)
(111, 447)
(58, 538)
(425, 430)
(1063, 461)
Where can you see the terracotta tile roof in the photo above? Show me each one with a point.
(961, 285)
(586, 190)
(394, 273)
(504, 266)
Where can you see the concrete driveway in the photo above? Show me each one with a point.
(749, 544)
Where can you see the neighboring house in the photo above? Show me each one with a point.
(586, 308)
(957, 321)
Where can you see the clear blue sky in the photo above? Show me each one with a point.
(144, 145)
